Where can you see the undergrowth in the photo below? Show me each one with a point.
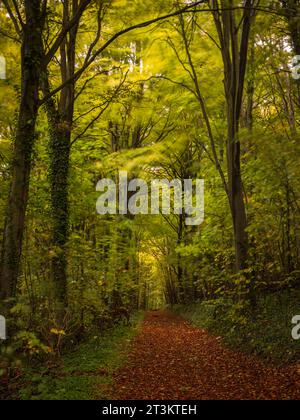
(266, 334)
(84, 374)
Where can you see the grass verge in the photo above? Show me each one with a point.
(267, 334)
(84, 374)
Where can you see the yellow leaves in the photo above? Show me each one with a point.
(31, 344)
(55, 252)
(56, 331)
(52, 254)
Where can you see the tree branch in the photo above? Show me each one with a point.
(65, 30)
(92, 59)
(13, 18)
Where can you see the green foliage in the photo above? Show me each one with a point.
(138, 109)
(266, 334)
(85, 373)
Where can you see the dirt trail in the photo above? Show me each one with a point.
(170, 359)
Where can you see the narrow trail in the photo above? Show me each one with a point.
(170, 359)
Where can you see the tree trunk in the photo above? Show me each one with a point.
(31, 57)
(59, 177)
(238, 209)
(234, 40)
(60, 120)
(291, 9)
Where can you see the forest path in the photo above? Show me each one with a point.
(170, 359)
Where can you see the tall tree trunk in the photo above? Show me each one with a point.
(291, 10)
(247, 112)
(237, 203)
(234, 40)
(31, 57)
(60, 146)
(234, 44)
(60, 120)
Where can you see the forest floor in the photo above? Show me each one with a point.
(170, 359)
(82, 374)
(159, 357)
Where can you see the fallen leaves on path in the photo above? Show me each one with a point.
(172, 360)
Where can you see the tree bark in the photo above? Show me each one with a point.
(234, 41)
(292, 9)
(60, 120)
(31, 58)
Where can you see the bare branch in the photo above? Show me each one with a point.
(13, 18)
(9, 36)
(93, 58)
(99, 115)
(18, 13)
(65, 30)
